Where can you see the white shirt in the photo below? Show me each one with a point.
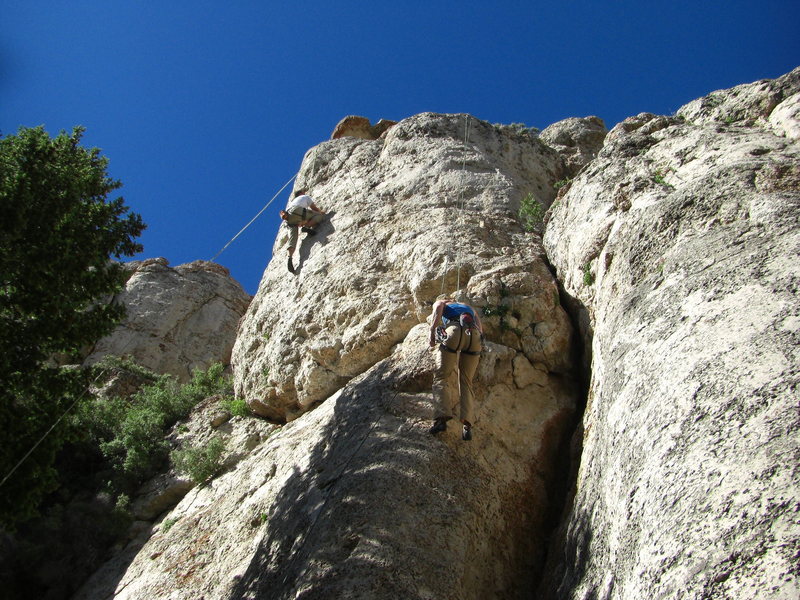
(303, 201)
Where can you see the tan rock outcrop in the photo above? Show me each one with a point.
(178, 319)
(353, 497)
(413, 215)
(681, 241)
(577, 140)
(360, 127)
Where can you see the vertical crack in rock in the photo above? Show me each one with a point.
(685, 258)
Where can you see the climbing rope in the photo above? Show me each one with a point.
(59, 419)
(461, 201)
(52, 427)
(444, 275)
(254, 218)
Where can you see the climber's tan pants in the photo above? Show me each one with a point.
(295, 219)
(449, 388)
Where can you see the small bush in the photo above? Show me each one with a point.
(131, 432)
(200, 463)
(167, 524)
(588, 277)
(236, 406)
(561, 183)
(531, 213)
(658, 177)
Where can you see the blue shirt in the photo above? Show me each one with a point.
(454, 310)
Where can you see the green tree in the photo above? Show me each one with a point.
(58, 232)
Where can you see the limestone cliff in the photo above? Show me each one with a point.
(431, 207)
(178, 319)
(675, 244)
(339, 351)
(681, 240)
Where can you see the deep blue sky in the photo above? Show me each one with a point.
(205, 109)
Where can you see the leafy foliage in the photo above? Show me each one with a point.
(131, 432)
(588, 276)
(58, 232)
(659, 178)
(561, 183)
(531, 213)
(237, 407)
(201, 463)
(118, 442)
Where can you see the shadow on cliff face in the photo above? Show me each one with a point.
(568, 561)
(384, 509)
(320, 533)
(321, 238)
(567, 552)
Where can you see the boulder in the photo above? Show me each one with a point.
(178, 319)
(577, 140)
(360, 127)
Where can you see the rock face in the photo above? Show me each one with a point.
(356, 498)
(677, 251)
(179, 319)
(416, 214)
(578, 140)
(681, 240)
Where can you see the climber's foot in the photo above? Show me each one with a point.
(439, 424)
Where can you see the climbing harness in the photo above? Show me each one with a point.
(461, 330)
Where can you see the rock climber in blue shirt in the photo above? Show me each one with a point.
(459, 351)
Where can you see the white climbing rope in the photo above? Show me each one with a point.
(254, 218)
(461, 201)
(52, 427)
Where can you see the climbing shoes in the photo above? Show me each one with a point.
(290, 266)
(308, 230)
(439, 424)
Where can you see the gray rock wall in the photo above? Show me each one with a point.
(681, 241)
(352, 497)
(428, 208)
(677, 248)
(178, 319)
